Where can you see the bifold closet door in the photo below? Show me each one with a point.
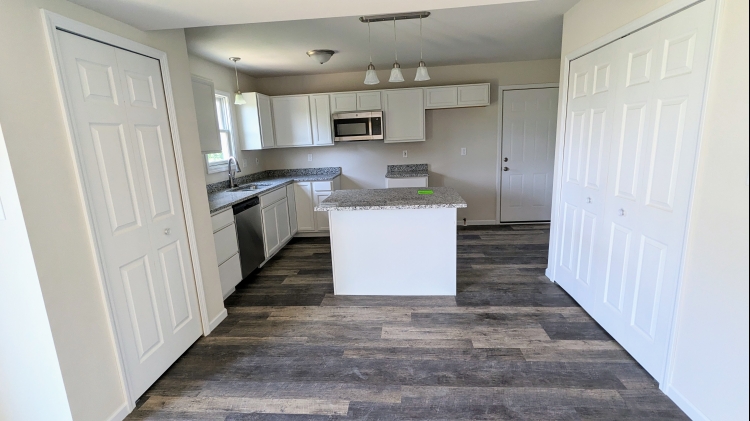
(657, 82)
(124, 143)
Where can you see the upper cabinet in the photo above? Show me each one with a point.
(355, 101)
(476, 95)
(205, 112)
(369, 101)
(320, 116)
(292, 120)
(256, 122)
(404, 115)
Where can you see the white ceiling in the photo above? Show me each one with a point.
(517, 31)
(170, 14)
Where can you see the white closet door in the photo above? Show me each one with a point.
(659, 102)
(588, 137)
(528, 149)
(122, 132)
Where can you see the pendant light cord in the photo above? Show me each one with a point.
(395, 41)
(420, 37)
(369, 40)
(236, 76)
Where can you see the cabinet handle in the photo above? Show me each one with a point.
(622, 212)
(505, 159)
(167, 231)
(505, 168)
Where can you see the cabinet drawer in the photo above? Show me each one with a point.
(221, 220)
(230, 274)
(322, 186)
(272, 197)
(225, 241)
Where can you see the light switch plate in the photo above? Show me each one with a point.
(405, 154)
(309, 157)
(463, 151)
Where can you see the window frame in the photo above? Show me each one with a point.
(222, 166)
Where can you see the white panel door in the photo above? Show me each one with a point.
(652, 160)
(303, 197)
(528, 150)
(291, 120)
(585, 171)
(123, 137)
(404, 115)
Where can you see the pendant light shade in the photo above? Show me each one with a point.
(371, 78)
(396, 75)
(238, 98)
(422, 74)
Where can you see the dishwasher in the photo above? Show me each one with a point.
(249, 225)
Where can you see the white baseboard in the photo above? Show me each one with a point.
(312, 234)
(477, 222)
(230, 292)
(687, 407)
(218, 319)
(120, 413)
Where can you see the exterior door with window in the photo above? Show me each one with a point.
(126, 157)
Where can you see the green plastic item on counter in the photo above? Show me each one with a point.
(425, 192)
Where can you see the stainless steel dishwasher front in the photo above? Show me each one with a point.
(249, 235)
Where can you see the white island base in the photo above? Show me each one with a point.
(394, 251)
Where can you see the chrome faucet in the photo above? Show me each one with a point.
(232, 182)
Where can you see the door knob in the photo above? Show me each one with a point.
(167, 231)
(505, 168)
(505, 159)
(622, 212)
(588, 200)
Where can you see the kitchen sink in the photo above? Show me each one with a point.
(251, 187)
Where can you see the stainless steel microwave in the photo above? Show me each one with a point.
(367, 125)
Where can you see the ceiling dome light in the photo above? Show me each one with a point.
(396, 75)
(371, 78)
(238, 98)
(321, 56)
(422, 74)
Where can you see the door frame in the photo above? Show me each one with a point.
(499, 163)
(52, 22)
(663, 12)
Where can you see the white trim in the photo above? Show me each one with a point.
(673, 7)
(52, 21)
(120, 413)
(688, 408)
(499, 162)
(218, 319)
(304, 234)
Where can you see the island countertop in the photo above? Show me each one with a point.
(396, 198)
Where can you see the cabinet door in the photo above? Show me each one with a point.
(270, 230)
(343, 102)
(230, 274)
(367, 101)
(205, 112)
(291, 120)
(321, 218)
(225, 241)
(474, 95)
(442, 97)
(320, 107)
(292, 205)
(404, 115)
(267, 136)
(304, 204)
(282, 221)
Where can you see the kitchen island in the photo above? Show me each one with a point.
(397, 241)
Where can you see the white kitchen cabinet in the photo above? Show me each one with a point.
(291, 120)
(369, 101)
(441, 97)
(227, 250)
(256, 122)
(304, 206)
(205, 112)
(477, 95)
(405, 182)
(320, 109)
(282, 221)
(343, 102)
(276, 231)
(292, 205)
(404, 115)
(321, 218)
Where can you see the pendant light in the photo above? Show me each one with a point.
(396, 75)
(422, 74)
(371, 78)
(238, 98)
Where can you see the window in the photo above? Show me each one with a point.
(217, 162)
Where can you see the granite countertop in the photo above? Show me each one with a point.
(406, 171)
(398, 198)
(220, 196)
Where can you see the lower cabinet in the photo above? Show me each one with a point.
(276, 229)
(292, 205)
(309, 194)
(405, 182)
(227, 251)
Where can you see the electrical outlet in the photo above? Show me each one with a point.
(309, 157)
(244, 163)
(405, 154)
(257, 161)
(463, 151)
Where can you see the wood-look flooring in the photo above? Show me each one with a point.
(509, 346)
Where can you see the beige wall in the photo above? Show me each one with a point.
(364, 163)
(711, 349)
(224, 80)
(44, 168)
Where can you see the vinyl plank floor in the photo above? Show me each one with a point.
(509, 346)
